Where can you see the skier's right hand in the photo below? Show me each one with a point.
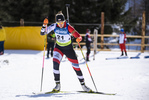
(45, 22)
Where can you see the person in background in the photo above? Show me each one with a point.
(88, 42)
(2, 39)
(63, 46)
(50, 43)
(122, 41)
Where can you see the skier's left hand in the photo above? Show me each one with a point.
(79, 39)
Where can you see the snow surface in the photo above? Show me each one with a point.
(20, 75)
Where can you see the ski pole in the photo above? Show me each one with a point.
(88, 67)
(43, 58)
(67, 6)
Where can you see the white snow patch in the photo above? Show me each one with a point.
(21, 76)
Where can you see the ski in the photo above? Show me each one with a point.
(56, 92)
(121, 57)
(146, 57)
(63, 92)
(94, 92)
(50, 92)
(134, 57)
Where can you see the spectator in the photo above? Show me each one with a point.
(122, 41)
(50, 43)
(2, 39)
(88, 42)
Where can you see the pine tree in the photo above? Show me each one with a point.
(80, 11)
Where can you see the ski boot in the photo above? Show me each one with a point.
(122, 53)
(85, 88)
(87, 59)
(125, 53)
(57, 87)
(47, 55)
(51, 54)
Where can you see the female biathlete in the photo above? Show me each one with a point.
(63, 46)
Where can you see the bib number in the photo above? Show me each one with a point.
(60, 37)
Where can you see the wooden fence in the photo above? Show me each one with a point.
(142, 45)
(102, 35)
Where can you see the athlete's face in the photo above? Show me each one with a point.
(61, 24)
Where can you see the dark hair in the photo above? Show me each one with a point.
(88, 30)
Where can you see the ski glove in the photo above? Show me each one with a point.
(45, 22)
(79, 39)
